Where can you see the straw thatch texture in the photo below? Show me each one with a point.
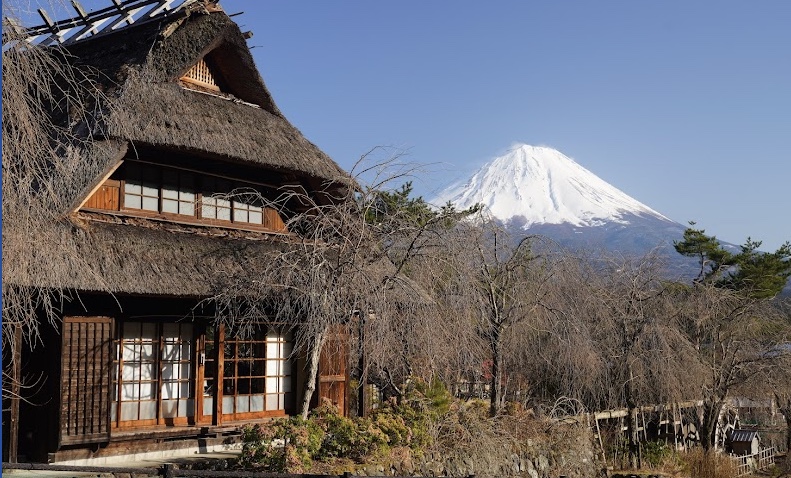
(142, 104)
(140, 70)
(151, 260)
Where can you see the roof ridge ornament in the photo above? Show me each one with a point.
(120, 14)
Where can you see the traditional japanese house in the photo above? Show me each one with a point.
(137, 363)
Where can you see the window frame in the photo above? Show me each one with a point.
(240, 198)
(157, 361)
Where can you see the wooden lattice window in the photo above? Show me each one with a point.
(153, 374)
(85, 380)
(202, 75)
(257, 375)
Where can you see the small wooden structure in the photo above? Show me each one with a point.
(744, 442)
(138, 363)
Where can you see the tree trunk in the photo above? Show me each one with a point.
(708, 426)
(494, 392)
(634, 438)
(314, 355)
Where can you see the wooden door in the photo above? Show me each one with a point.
(85, 380)
(333, 369)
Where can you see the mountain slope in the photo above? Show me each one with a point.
(532, 185)
(538, 190)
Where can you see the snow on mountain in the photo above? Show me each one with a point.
(535, 185)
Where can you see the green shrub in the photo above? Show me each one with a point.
(657, 453)
(284, 445)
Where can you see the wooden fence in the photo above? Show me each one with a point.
(747, 464)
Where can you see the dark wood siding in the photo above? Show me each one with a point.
(85, 380)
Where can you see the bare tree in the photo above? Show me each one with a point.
(49, 106)
(497, 284)
(638, 333)
(347, 256)
(737, 337)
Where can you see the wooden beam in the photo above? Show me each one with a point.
(219, 344)
(16, 389)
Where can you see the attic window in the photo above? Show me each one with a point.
(203, 76)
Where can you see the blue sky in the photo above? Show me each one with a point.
(685, 106)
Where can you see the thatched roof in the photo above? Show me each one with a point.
(139, 67)
(129, 256)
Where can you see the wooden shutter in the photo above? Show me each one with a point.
(333, 369)
(85, 380)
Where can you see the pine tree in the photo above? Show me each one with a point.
(758, 274)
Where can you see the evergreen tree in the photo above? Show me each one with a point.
(759, 274)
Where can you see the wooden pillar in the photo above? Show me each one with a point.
(219, 349)
(362, 409)
(15, 390)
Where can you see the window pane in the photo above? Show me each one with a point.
(150, 203)
(148, 410)
(129, 411)
(150, 189)
(242, 403)
(272, 403)
(239, 215)
(133, 186)
(273, 367)
(147, 390)
(224, 214)
(208, 211)
(170, 189)
(256, 403)
(227, 404)
(186, 195)
(187, 208)
(256, 218)
(130, 372)
(271, 385)
(169, 408)
(170, 205)
(168, 371)
(149, 331)
(130, 352)
(133, 202)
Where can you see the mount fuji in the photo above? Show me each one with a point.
(539, 190)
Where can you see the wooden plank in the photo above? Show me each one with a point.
(85, 390)
(16, 386)
(109, 172)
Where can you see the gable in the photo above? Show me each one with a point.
(211, 51)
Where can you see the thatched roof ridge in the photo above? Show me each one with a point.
(139, 67)
(203, 123)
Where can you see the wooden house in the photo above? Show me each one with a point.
(137, 364)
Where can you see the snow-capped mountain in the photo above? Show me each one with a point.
(534, 185)
(539, 190)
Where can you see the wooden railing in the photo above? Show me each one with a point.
(747, 464)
